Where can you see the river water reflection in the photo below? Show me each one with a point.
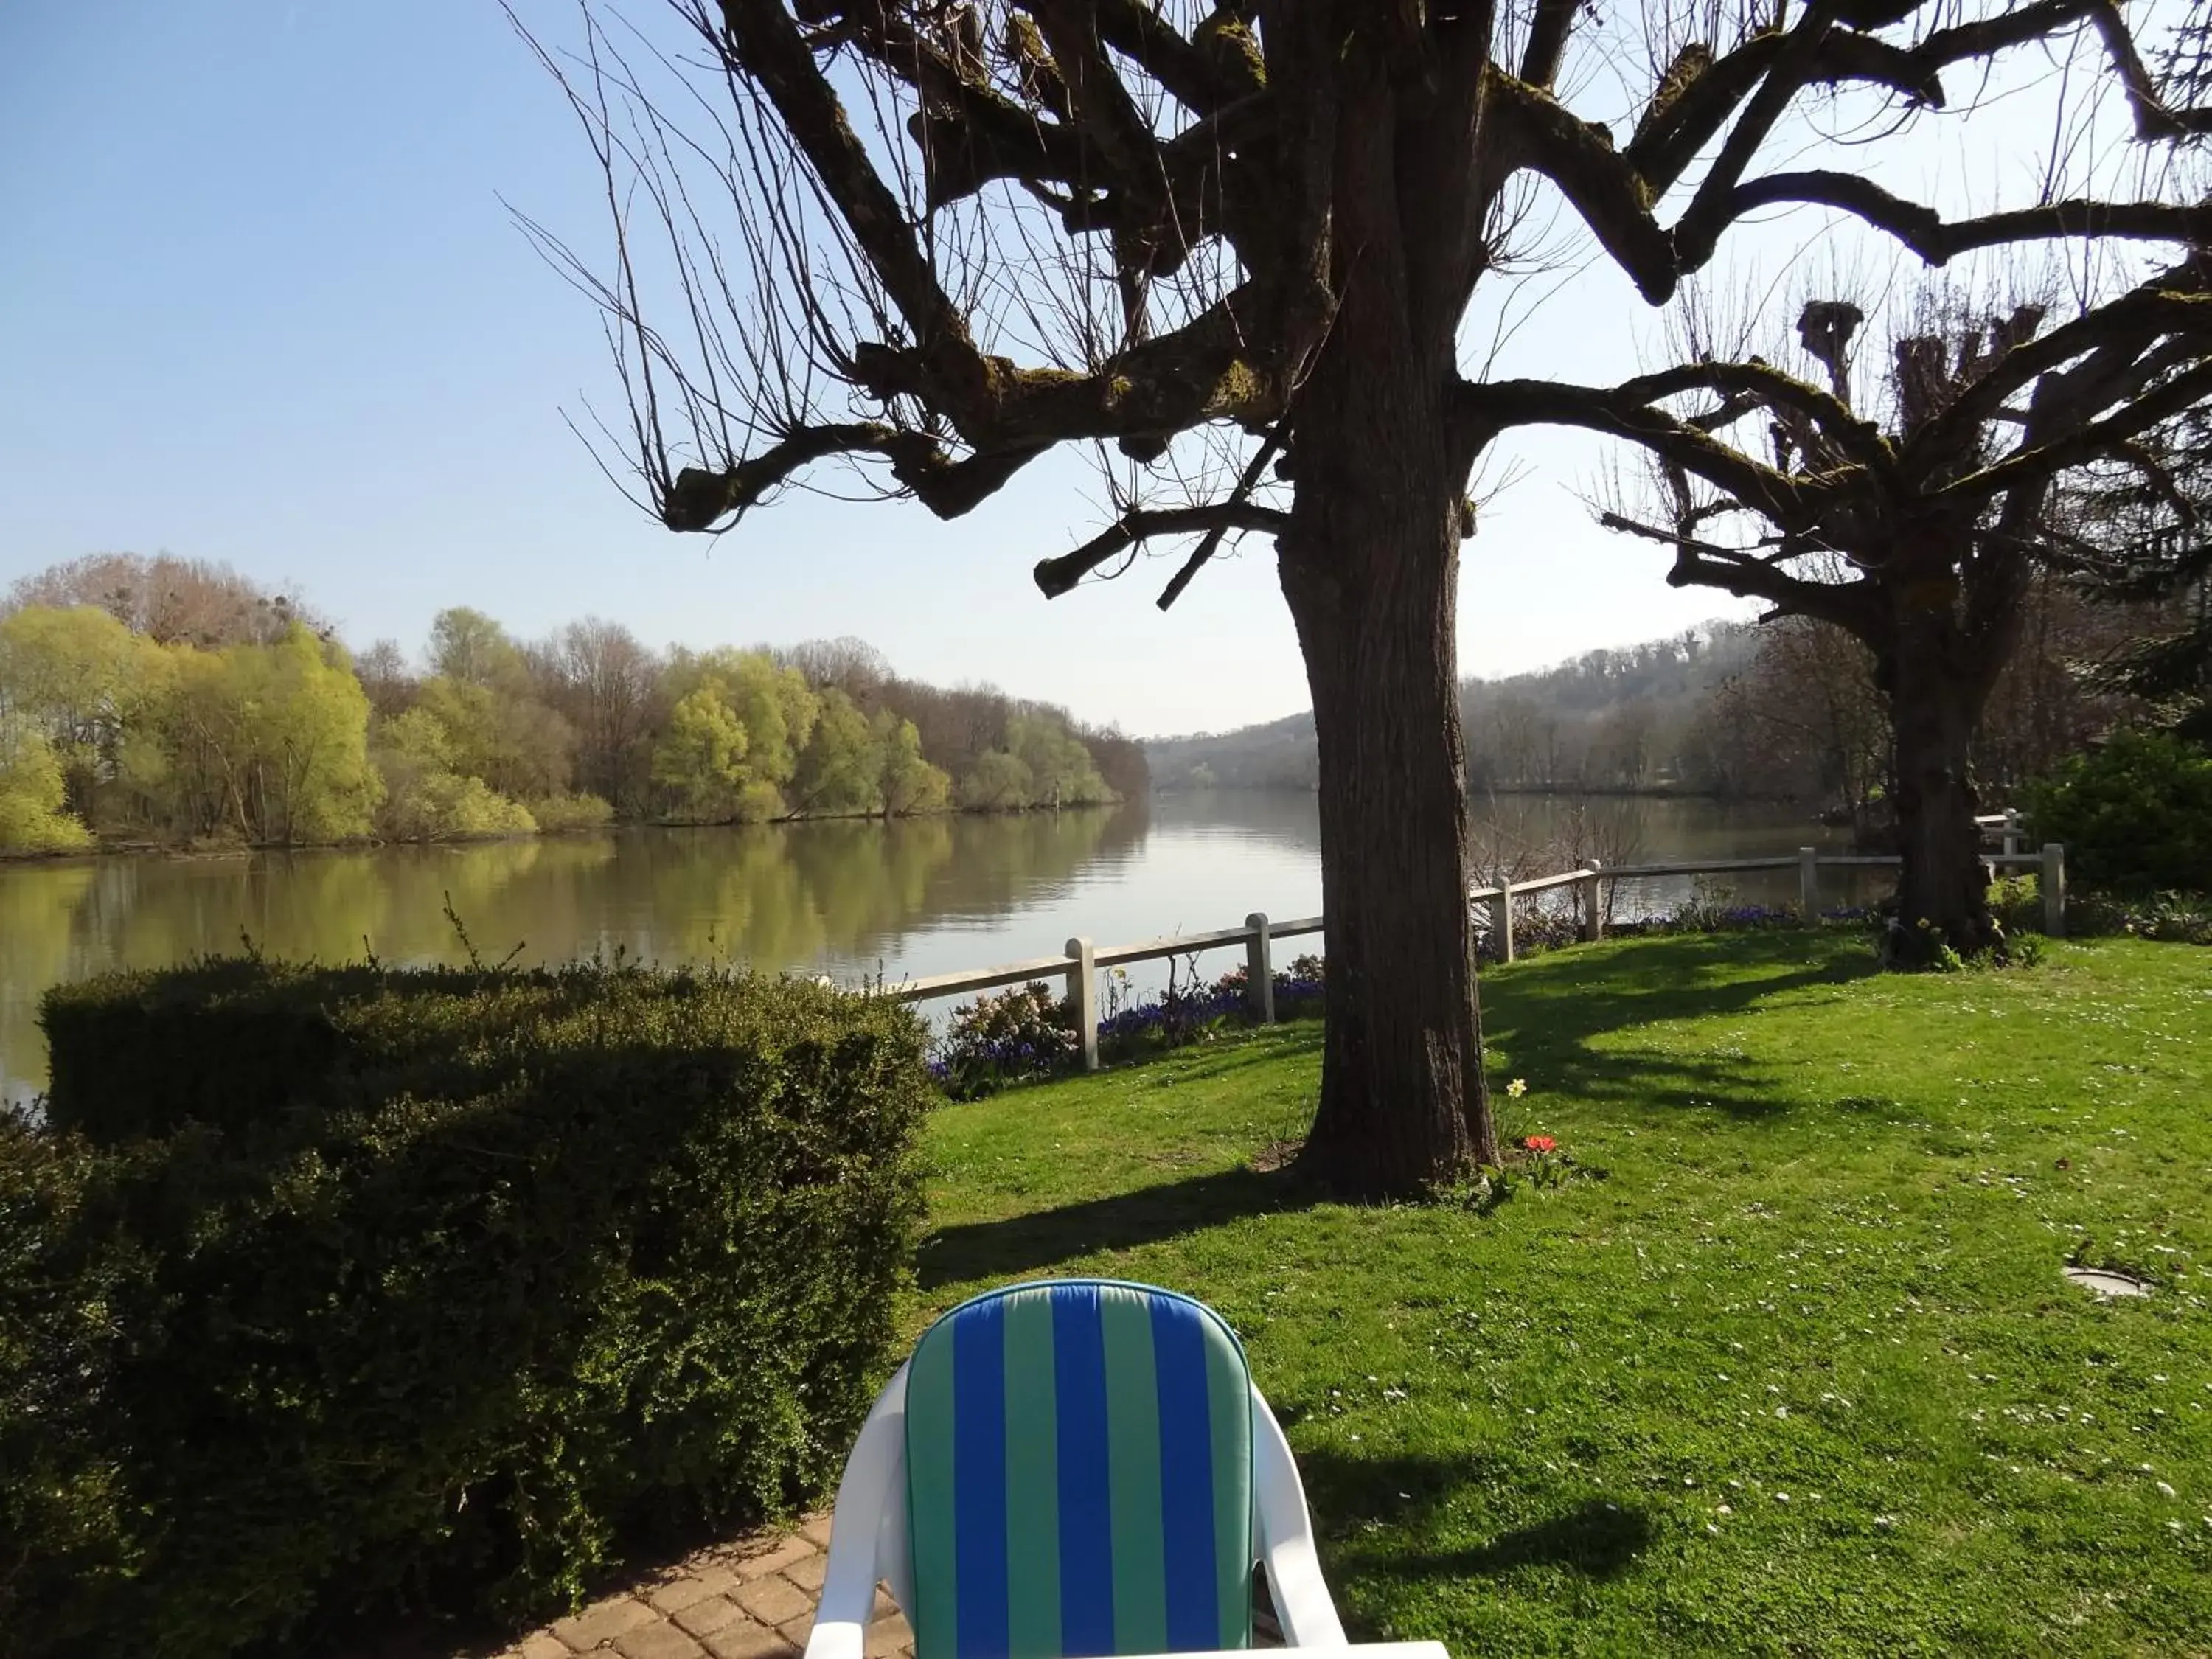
(904, 899)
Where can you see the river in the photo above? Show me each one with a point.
(850, 899)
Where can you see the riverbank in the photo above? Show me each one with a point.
(1786, 1348)
(1553, 792)
(234, 849)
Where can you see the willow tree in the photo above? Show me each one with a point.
(1233, 246)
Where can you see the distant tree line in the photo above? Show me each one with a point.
(160, 699)
(1783, 710)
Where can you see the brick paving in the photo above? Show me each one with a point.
(752, 1598)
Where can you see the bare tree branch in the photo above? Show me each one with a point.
(1925, 231)
(1055, 577)
(699, 498)
(1494, 405)
(1254, 471)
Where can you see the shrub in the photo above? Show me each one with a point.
(1300, 988)
(1714, 914)
(2135, 816)
(28, 826)
(1015, 1036)
(1535, 929)
(445, 806)
(236, 1042)
(32, 792)
(1187, 1009)
(1190, 1011)
(2178, 918)
(2016, 903)
(562, 814)
(759, 802)
(520, 1266)
(1029, 1033)
(63, 1528)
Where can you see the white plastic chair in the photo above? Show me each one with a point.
(871, 1540)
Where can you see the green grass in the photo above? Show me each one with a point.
(1824, 1262)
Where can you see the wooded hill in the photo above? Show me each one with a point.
(1623, 718)
(1782, 710)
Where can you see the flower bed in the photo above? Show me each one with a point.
(1029, 1033)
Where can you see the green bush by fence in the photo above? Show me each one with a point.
(2136, 815)
(509, 1266)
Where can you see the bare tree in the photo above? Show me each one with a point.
(1233, 246)
(1805, 720)
(169, 599)
(1913, 519)
(604, 683)
(383, 673)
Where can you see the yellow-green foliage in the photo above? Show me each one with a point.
(911, 784)
(1042, 764)
(70, 681)
(304, 721)
(500, 734)
(701, 756)
(734, 735)
(427, 798)
(841, 771)
(269, 737)
(31, 794)
(998, 781)
(456, 808)
(562, 814)
(268, 742)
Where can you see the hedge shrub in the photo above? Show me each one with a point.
(62, 1525)
(2136, 815)
(509, 1268)
(235, 1042)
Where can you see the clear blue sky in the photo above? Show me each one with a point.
(263, 305)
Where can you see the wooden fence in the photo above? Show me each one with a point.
(1080, 961)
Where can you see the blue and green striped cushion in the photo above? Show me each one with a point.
(1079, 1476)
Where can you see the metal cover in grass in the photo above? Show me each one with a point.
(2102, 1281)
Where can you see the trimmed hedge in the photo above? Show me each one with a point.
(235, 1042)
(508, 1269)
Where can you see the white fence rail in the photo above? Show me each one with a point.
(1081, 960)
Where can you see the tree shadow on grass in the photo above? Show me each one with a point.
(1544, 1015)
(1044, 1238)
(1242, 1049)
(1408, 1495)
(1596, 1538)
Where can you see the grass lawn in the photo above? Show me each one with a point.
(1799, 1376)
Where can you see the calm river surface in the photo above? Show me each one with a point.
(922, 896)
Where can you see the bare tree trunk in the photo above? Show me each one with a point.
(1937, 689)
(1371, 567)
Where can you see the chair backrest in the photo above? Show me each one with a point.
(1079, 1475)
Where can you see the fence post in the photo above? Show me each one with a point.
(1260, 969)
(2012, 832)
(2052, 881)
(1593, 903)
(1083, 991)
(1501, 921)
(1809, 885)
